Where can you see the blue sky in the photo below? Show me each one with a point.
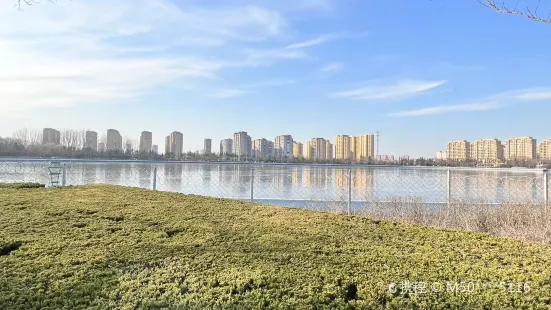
(420, 72)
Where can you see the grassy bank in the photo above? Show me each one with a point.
(108, 247)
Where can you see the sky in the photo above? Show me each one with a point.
(422, 73)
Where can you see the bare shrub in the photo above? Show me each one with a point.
(527, 221)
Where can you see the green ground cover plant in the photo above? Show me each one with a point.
(111, 247)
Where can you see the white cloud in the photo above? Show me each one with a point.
(530, 94)
(483, 106)
(313, 42)
(400, 90)
(270, 83)
(80, 52)
(227, 93)
(332, 67)
(491, 102)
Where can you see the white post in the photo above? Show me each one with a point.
(349, 191)
(64, 175)
(449, 193)
(546, 188)
(252, 184)
(155, 178)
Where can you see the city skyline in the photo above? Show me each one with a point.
(343, 146)
(310, 68)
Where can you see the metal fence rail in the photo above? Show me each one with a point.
(336, 189)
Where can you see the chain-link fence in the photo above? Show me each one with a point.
(338, 189)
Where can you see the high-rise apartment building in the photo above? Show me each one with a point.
(167, 145)
(298, 150)
(309, 151)
(146, 141)
(226, 147)
(442, 155)
(459, 150)
(343, 150)
(329, 150)
(363, 147)
(174, 144)
(283, 146)
(523, 148)
(262, 148)
(155, 149)
(114, 140)
(355, 148)
(487, 150)
(544, 150)
(91, 140)
(319, 149)
(51, 136)
(242, 144)
(207, 146)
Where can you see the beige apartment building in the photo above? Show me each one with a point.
(329, 150)
(459, 150)
(523, 148)
(544, 150)
(355, 148)
(487, 150)
(298, 150)
(364, 147)
(309, 151)
(318, 149)
(343, 149)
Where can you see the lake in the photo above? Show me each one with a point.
(296, 185)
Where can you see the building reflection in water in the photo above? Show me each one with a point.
(89, 173)
(112, 173)
(145, 176)
(207, 174)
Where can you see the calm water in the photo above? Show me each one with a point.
(295, 185)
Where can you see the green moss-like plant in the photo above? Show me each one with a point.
(109, 247)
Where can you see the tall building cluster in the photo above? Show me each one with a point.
(174, 144)
(355, 148)
(493, 150)
(285, 147)
(241, 145)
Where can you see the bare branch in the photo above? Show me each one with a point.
(531, 14)
(19, 3)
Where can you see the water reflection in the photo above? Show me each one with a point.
(298, 182)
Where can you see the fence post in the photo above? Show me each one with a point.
(546, 188)
(64, 175)
(349, 191)
(449, 187)
(155, 178)
(252, 184)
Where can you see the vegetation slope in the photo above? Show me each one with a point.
(109, 247)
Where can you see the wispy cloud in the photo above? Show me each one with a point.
(332, 68)
(82, 52)
(491, 102)
(482, 106)
(312, 42)
(227, 93)
(270, 83)
(325, 39)
(397, 91)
